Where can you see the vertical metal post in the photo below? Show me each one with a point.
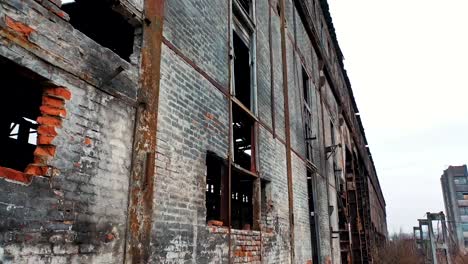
(287, 126)
(141, 189)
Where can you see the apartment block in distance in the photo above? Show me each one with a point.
(181, 131)
(455, 190)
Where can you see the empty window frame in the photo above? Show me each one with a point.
(245, 5)
(243, 171)
(243, 130)
(217, 192)
(242, 199)
(243, 56)
(244, 183)
(18, 127)
(242, 71)
(100, 22)
(312, 217)
(243, 196)
(308, 129)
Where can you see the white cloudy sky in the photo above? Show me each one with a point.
(407, 62)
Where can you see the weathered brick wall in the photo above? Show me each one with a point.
(272, 166)
(246, 246)
(303, 247)
(193, 119)
(79, 214)
(264, 66)
(278, 107)
(200, 30)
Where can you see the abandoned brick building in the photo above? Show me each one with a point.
(181, 131)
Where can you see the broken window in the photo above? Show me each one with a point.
(242, 82)
(20, 109)
(217, 194)
(100, 22)
(312, 217)
(241, 199)
(308, 129)
(243, 171)
(243, 135)
(241, 179)
(243, 57)
(246, 5)
(216, 189)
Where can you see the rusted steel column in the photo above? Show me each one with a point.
(287, 128)
(142, 175)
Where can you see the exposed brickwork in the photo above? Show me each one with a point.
(51, 118)
(86, 133)
(246, 246)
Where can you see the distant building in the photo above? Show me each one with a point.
(455, 189)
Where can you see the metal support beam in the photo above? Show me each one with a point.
(142, 176)
(287, 125)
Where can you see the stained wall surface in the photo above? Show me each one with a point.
(74, 207)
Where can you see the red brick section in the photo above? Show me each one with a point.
(14, 175)
(247, 246)
(53, 111)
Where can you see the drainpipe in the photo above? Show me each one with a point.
(142, 175)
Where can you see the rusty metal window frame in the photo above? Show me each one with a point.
(307, 113)
(243, 25)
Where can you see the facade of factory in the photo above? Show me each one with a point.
(455, 190)
(188, 131)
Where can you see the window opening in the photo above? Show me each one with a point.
(216, 189)
(241, 200)
(243, 134)
(462, 195)
(242, 71)
(312, 217)
(465, 227)
(246, 5)
(307, 114)
(98, 21)
(464, 210)
(305, 86)
(18, 126)
(460, 180)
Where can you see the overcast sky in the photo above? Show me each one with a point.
(407, 62)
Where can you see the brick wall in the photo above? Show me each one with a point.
(79, 213)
